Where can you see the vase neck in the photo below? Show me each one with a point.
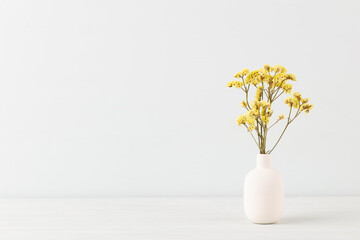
(263, 161)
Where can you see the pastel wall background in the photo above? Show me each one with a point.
(128, 98)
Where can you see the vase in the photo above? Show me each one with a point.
(263, 192)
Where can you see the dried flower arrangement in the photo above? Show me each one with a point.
(270, 83)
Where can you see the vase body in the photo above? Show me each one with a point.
(263, 192)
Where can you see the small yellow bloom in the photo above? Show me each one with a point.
(289, 101)
(253, 113)
(251, 128)
(253, 77)
(250, 120)
(265, 104)
(297, 96)
(291, 77)
(270, 112)
(236, 84)
(263, 112)
(287, 88)
(262, 72)
(278, 78)
(278, 69)
(307, 110)
(265, 119)
(242, 73)
(243, 104)
(296, 99)
(241, 120)
(263, 76)
(255, 104)
(306, 107)
(259, 92)
(281, 117)
(237, 75)
(267, 67)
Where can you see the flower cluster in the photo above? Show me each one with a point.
(269, 82)
(260, 110)
(247, 120)
(296, 101)
(263, 108)
(274, 76)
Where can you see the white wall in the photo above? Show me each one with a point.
(128, 98)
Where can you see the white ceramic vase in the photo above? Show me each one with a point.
(263, 192)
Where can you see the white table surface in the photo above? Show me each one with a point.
(175, 218)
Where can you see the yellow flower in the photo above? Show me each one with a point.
(279, 78)
(307, 110)
(253, 113)
(289, 101)
(265, 119)
(278, 69)
(236, 84)
(259, 92)
(251, 127)
(291, 77)
(298, 102)
(270, 83)
(253, 77)
(270, 112)
(306, 107)
(243, 104)
(263, 76)
(281, 117)
(267, 67)
(241, 120)
(287, 88)
(265, 104)
(255, 104)
(237, 75)
(297, 96)
(242, 73)
(262, 72)
(250, 120)
(296, 99)
(267, 79)
(266, 112)
(239, 84)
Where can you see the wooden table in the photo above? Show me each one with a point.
(174, 218)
